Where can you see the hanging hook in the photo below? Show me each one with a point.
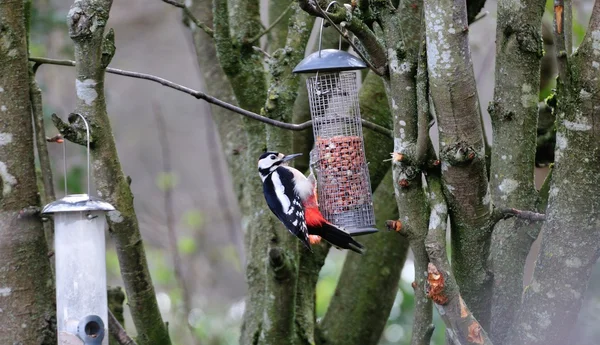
(321, 30)
(87, 132)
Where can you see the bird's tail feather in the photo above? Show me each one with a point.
(338, 237)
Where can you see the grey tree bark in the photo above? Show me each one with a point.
(514, 116)
(26, 289)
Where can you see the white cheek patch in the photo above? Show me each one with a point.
(264, 163)
(280, 192)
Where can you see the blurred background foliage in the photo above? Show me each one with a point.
(212, 268)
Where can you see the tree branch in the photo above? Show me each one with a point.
(283, 14)
(27, 297)
(442, 288)
(93, 52)
(462, 151)
(514, 114)
(70, 132)
(117, 331)
(402, 30)
(526, 215)
(116, 297)
(562, 41)
(191, 16)
(570, 238)
(208, 98)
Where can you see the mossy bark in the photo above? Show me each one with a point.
(284, 283)
(93, 52)
(571, 234)
(514, 114)
(26, 283)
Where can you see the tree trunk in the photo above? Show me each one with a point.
(571, 234)
(514, 117)
(26, 288)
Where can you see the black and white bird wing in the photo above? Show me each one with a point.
(285, 203)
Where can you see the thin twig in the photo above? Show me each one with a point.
(561, 21)
(527, 215)
(117, 331)
(191, 16)
(208, 98)
(266, 31)
(170, 216)
(262, 51)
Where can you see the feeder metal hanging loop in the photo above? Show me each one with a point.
(321, 30)
(87, 132)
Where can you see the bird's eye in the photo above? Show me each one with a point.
(273, 157)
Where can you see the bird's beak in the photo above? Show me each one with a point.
(290, 157)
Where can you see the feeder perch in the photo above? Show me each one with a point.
(80, 254)
(344, 189)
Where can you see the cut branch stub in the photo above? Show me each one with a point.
(435, 286)
(395, 225)
(108, 48)
(458, 154)
(83, 19)
(70, 132)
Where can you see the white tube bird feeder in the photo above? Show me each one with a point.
(80, 263)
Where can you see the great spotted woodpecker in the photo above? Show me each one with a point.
(291, 196)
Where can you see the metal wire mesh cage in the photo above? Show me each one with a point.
(344, 190)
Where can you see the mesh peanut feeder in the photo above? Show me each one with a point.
(344, 190)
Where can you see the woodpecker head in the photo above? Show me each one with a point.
(269, 161)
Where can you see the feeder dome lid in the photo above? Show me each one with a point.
(330, 60)
(77, 203)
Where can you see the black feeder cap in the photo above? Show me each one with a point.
(329, 60)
